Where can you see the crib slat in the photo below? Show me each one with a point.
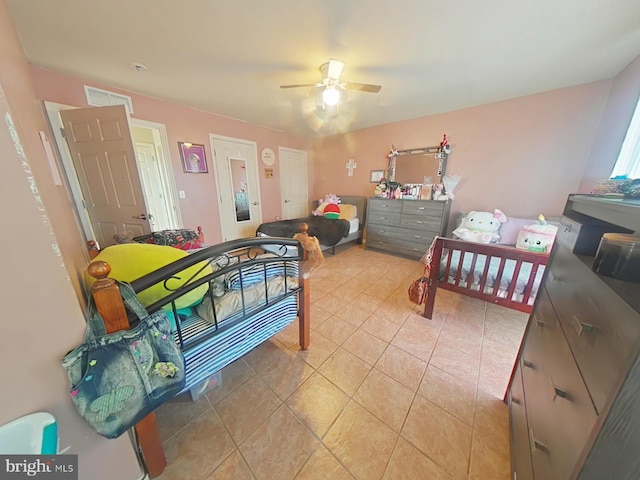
(514, 279)
(496, 286)
(106, 295)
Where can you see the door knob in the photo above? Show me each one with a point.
(254, 203)
(143, 216)
(287, 201)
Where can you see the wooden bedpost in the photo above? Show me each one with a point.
(304, 300)
(93, 249)
(111, 308)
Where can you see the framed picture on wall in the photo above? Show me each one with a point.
(193, 157)
(376, 176)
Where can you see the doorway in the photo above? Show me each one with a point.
(157, 185)
(236, 174)
(294, 183)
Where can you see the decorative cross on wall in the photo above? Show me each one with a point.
(351, 164)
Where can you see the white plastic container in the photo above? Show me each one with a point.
(204, 386)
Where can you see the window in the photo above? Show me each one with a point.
(97, 97)
(628, 162)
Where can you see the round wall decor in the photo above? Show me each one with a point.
(268, 156)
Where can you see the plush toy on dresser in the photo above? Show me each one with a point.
(481, 227)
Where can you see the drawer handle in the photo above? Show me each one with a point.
(381, 231)
(384, 206)
(528, 364)
(582, 327)
(420, 208)
(558, 392)
(536, 444)
(383, 218)
(417, 236)
(419, 222)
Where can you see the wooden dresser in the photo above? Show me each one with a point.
(405, 227)
(574, 398)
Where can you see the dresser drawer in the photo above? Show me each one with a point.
(423, 208)
(560, 413)
(602, 330)
(391, 245)
(417, 222)
(415, 237)
(384, 218)
(386, 231)
(384, 205)
(520, 448)
(582, 235)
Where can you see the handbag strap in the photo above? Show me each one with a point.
(95, 323)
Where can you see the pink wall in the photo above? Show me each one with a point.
(41, 316)
(200, 207)
(523, 156)
(613, 126)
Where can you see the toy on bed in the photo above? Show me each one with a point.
(481, 227)
(328, 207)
(537, 237)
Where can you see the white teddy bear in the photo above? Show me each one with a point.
(481, 227)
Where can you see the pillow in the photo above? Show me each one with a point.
(131, 261)
(348, 211)
(320, 210)
(510, 229)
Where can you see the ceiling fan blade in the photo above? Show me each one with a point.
(334, 69)
(303, 85)
(363, 87)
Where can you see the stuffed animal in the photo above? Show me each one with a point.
(329, 199)
(537, 237)
(315, 257)
(481, 227)
(123, 237)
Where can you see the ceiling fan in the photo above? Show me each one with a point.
(331, 72)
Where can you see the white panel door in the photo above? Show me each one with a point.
(236, 170)
(294, 183)
(151, 178)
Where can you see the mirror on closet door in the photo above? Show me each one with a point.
(238, 169)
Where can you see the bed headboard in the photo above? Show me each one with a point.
(361, 203)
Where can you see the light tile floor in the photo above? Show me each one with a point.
(382, 392)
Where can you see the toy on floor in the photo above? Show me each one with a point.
(315, 257)
(481, 227)
(537, 237)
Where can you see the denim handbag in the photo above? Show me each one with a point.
(119, 378)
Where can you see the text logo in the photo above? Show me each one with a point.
(49, 467)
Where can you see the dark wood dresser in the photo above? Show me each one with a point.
(405, 227)
(574, 398)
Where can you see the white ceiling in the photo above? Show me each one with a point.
(430, 56)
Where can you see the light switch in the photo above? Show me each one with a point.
(182, 194)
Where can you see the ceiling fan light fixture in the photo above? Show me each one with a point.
(331, 96)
